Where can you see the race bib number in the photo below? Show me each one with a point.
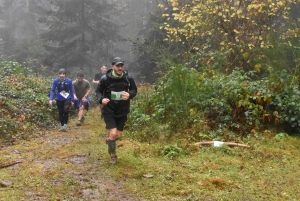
(64, 94)
(116, 95)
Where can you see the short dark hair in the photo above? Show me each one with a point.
(62, 71)
(80, 75)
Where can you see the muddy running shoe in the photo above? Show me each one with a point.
(79, 123)
(63, 128)
(82, 120)
(113, 159)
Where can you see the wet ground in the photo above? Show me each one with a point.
(49, 152)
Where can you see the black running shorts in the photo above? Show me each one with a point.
(113, 122)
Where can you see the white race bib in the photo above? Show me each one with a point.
(64, 94)
(116, 95)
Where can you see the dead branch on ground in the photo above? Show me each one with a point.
(231, 144)
(9, 164)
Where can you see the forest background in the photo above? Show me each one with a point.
(218, 69)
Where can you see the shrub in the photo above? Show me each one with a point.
(23, 101)
(186, 99)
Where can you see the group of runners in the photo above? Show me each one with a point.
(115, 88)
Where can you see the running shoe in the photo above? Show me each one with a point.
(82, 120)
(113, 159)
(63, 128)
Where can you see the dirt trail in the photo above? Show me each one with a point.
(74, 162)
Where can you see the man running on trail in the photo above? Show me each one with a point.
(82, 89)
(114, 92)
(64, 97)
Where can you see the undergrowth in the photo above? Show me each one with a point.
(23, 102)
(208, 105)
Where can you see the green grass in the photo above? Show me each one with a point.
(268, 171)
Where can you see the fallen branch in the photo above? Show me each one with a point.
(10, 164)
(219, 144)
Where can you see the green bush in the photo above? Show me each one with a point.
(188, 102)
(287, 108)
(23, 102)
(174, 151)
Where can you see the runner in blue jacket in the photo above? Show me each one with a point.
(63, 88)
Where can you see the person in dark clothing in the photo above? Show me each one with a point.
(114, 92)
(99, 75)
(64, 97)
(96, 81)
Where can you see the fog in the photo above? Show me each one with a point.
(73, 34)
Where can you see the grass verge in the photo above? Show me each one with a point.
(66, 166)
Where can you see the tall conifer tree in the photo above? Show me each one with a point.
(79, 33)
(17, 29)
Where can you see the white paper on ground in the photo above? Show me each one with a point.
(218, 143)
